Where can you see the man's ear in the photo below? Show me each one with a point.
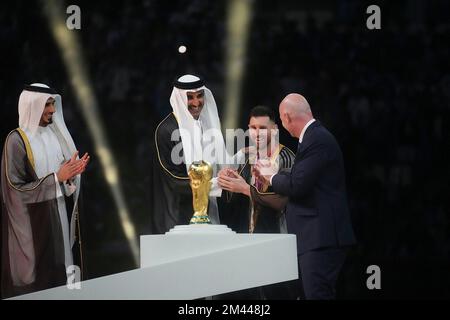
(288, 118)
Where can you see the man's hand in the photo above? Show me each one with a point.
(225, 172)
(85, 158)
(73, 167)
(231, 181)
(263, 171)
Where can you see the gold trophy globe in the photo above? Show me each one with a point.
(200, 175)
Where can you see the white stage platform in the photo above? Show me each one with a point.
(192, 262)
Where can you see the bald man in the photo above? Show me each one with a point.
(317, 210)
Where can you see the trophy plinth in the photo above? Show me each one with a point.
(200, 175)
(200, 219)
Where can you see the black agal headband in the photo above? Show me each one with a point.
(39, 89)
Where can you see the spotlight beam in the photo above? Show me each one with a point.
(72, 54)
(238, 26)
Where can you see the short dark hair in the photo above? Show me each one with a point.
(262, 111)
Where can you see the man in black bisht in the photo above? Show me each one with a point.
(180, 139)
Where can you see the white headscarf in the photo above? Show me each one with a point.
(196, 134)
(31, 106)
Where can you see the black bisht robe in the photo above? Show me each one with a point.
(171, 192)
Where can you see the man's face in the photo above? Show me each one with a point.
(285, 121)
(261, 130)
(48, 112)
(195, 102)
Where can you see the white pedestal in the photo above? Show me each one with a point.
(192, 262)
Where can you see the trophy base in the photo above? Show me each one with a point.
(200, 220)
(200, 229)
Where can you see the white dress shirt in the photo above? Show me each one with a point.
(300, 140)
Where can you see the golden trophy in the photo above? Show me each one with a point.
(200, 175)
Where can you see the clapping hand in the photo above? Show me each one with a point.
(72, 167)
(263, 170)
(231, 181)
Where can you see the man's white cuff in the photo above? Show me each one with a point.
(271, 177)
(58, 187)
(69, 188)
(216, 190)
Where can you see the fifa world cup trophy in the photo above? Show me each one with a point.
(200, 175)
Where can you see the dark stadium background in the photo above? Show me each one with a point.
(383, 93)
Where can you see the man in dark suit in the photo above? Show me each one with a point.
(317, 210)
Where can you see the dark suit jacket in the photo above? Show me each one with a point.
(317, 211)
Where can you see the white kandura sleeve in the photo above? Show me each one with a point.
(216, 190)
(58, 187)
(69, 188)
